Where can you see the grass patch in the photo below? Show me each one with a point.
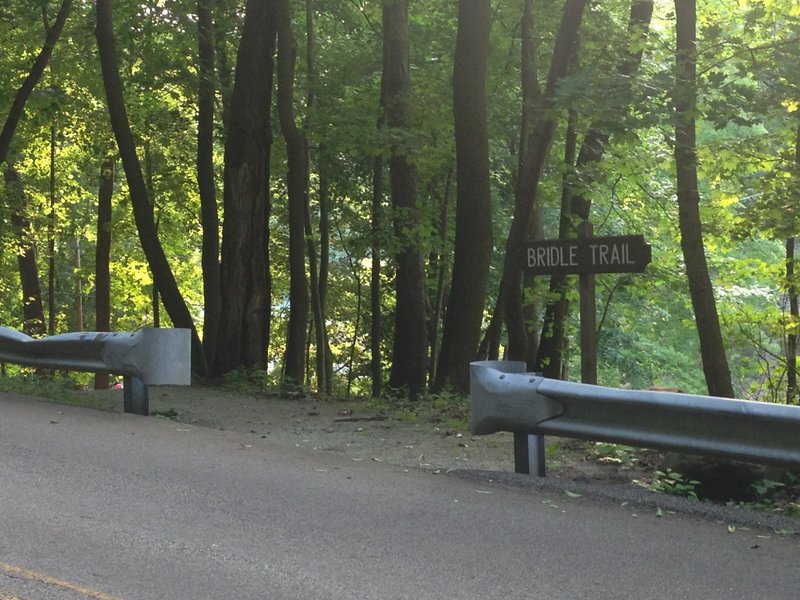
(53, 386)
(446, 410)
(169, 414)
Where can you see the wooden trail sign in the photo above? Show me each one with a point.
(620, 254)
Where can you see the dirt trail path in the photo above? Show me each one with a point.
(359, 432)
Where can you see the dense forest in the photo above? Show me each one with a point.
(334, 193)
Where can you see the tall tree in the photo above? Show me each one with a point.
(531, 97)
(409, 350)
(245, 274)
(318, 269)
(576, 205)
(163, 276)
(538, 146)
(375, 286)
(712, 349)
(473, 236)
(206, 184)
(297, 188)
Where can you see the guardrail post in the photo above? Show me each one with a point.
(135, 396)
(529, 451)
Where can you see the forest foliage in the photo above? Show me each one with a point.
(361, 189)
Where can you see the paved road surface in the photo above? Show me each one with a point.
(103, 505)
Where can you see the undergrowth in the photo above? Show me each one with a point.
(448, 410)
(52, 385)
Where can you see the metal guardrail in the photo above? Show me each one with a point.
(505, 398)
(144, 358)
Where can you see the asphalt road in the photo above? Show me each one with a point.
(102, 505)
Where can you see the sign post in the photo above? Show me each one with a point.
(584, 256)
(588, 316)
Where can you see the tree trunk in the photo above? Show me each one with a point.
(102, 259)
(540, 140)
(375, 287)
(209, 215)
(245, 278)
(35, 74)
(351, 354)
(318, 269)
(438, 264)
(324, 267)
(32, 307)
(317, 309)
(79, 324)
(473, 236)
(376, 320)
(155, 296)
(163, 277)
(578, 205)
(297, 185)
(409, 351)
(712, 349)
(51, 239)
(587, 291)
(489, 348)
(531, 97)
(792, 394)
